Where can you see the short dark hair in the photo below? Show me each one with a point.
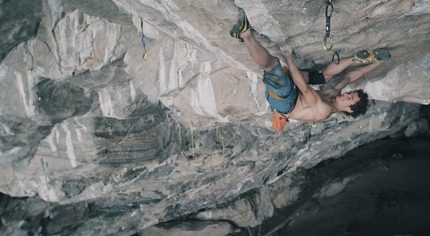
(360, 107)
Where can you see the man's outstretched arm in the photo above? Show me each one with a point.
(310, 95)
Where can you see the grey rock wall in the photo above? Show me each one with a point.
(84, 120)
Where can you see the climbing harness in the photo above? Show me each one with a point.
(47, 189)
(145, 54)
(161, 112)
(328, 13)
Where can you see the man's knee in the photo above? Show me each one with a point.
(271, 64)
(327, 77)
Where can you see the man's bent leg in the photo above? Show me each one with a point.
(260, 55)
(360, 72)
(334, 69)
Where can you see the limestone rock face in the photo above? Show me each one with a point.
(85, 123)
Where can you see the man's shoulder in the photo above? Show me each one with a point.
(328, 93)
(324, 109)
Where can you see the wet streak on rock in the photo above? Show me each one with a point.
(141, 138)
(26, 132)
(19, 20)
(111, 74)
(65, 217)
(105, 9)
(58, 101)
(62, 100)
(233, 138)
(74, 187)
(26, 137)
(158, 172)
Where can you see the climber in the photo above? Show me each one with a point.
(292, 97)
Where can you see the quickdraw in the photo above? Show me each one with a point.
(192, 139)
(109, 129)
(145, 54)
(336, 56)
(161, 112)
(328, 13)
(47, 189)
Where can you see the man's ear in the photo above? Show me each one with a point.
(349, 110)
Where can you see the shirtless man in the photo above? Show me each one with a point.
(292, 96)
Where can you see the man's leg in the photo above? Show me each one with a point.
(361, 71)
(356, 74)
(260, 55)
(377, 56)
(334, 69)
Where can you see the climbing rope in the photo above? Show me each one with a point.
(145, 54)
(47, 189)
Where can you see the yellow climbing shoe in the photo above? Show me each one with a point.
(241, 25)
(368, 56)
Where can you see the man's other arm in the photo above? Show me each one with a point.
(310, 95)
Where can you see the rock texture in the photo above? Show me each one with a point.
(86, 124)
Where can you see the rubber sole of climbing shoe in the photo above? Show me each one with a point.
(241, 25)
(368, 56)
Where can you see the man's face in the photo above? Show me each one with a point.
(348, 99)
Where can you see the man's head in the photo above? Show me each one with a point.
(353, 103)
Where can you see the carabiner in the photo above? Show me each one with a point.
(330, 43)
(145, 55)
(327, 12)
(336, 53)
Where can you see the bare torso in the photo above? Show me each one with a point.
(321, 111)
